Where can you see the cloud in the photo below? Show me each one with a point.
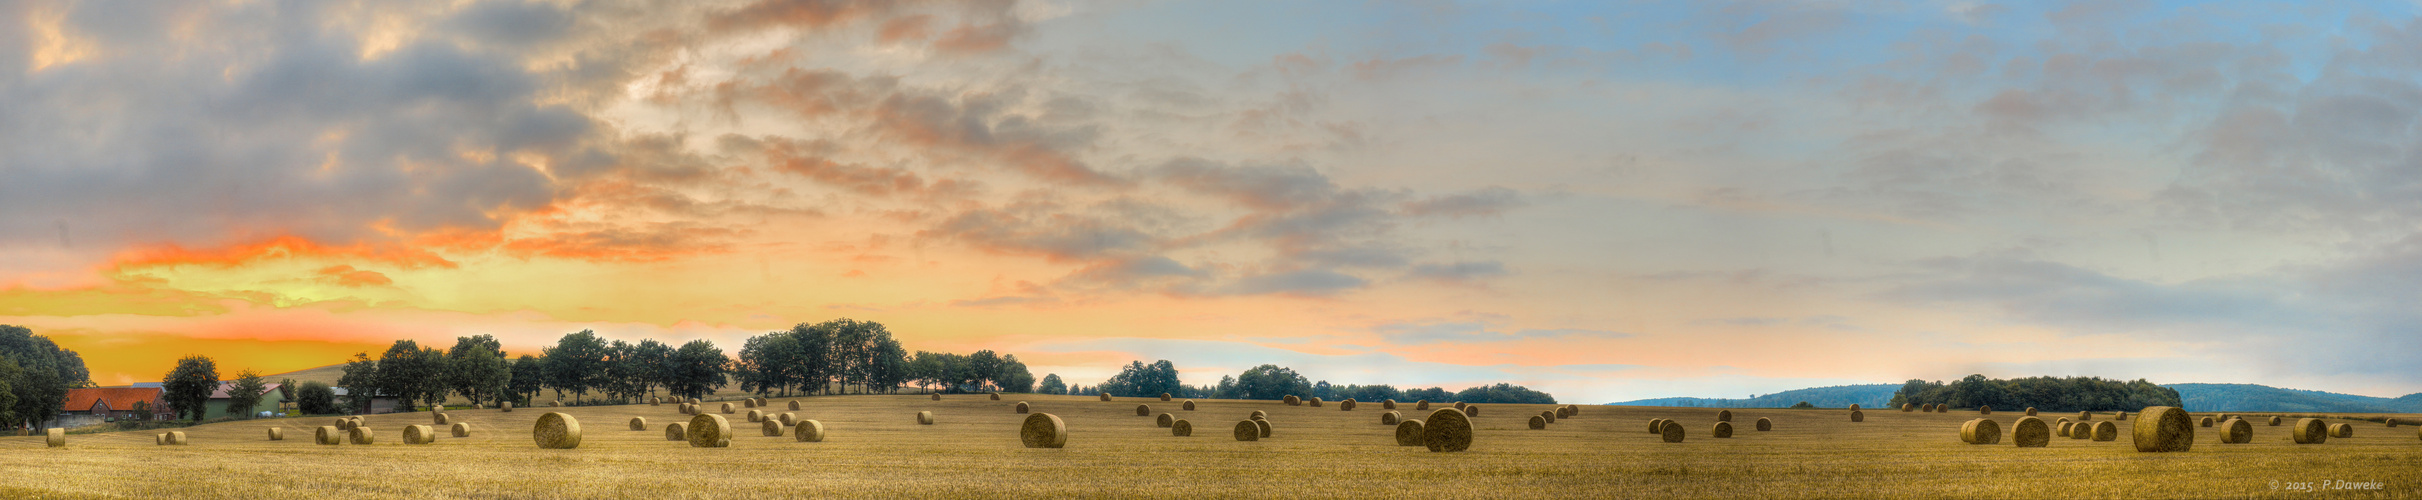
(1303, 282)
(1459, 272)
(1401, 334)
(1483, 202)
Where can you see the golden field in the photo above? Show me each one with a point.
(875, 448)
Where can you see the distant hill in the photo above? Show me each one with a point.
(325, 374)
(2250, 397)
(1840, 396)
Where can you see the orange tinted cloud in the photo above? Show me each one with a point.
(277, 248)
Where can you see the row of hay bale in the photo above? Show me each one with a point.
(1672, 432)
(2158, 429)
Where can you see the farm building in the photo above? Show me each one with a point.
(92, 406)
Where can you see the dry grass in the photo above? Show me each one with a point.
(875, 454)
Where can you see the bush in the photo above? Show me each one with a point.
(316, 398)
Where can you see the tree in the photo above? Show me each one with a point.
(245, 393)
(285, 392)
(315, 398)
(1141, 380)
(412, 374)
(1013, 376)
(1803, 405)
(655, 362)
(141, 409)
(1270, 382)
(45, 373)
(529, 377)
(9, 373)
(187, 387)
(1052, 385)
(699, 369)
(360, 382)
(577, 363)
(476, 368)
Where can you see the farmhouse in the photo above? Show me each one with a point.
(92, 406)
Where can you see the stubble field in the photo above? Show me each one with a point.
(875, 448)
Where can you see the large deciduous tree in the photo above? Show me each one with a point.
(245, 393)
(187, 387)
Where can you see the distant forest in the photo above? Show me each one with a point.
(1142, 380)
(2046, 393)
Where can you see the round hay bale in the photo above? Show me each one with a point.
(755, 416)
(709, 431)
(2085, 416)
(1348, 404)
(2308, 431)
(1387, 404)
(1291, 400)
(808, 431)
(1549, 416)
(419, 434)
(1422, 405)
(994, 396)
(695, 401)
(277, 434)
(938, 396)
(1564, 412)
(1981, 431)
(1390, 418)
(925, 418)
(771, 427)
(440, 419)
(2206, 422)
(2274, 421)
(1858, 416)
(2336, 431)
(748, 403)
(727, 408)
(1143, 410)
(1165, 420)
(639, 423)
(1906, 407)
(1164, 396)
(1723, 415)
(1765, 425)
(479, 406)
(506, 407)
(1408, 433)
(555, 404)
(1246, 430)
(160, 439)
(2119, 416)
(1459, 405)
(2392, 422)
(1105, 396)
(177, 438)
(794, 406)
(1672, 433)
(328, 434)
(360, 435)
(2164, 429)
(1576, 409)
(2030, 432)
(1188, 405)
(54, 437)
(1722, 430)
(1264, 426)
(1447, 431)
(1021, 407)
(462, 429)
(2236, 431)
(1538, 422)
(2082, 430)
(2030, 411)
(1043, 430)
(1656, 425)
(1984, 410)
(787, 419)
(655, 401)
(1314, 402)
(1471, 410)
(344, 424)
(2065, 426)
(1258, 415)
(2106, 431)
(1181, 428)
(556, 431)
(1854, 407)
(676, 432)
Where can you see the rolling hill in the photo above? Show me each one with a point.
(2197, 397)
(1841, 396)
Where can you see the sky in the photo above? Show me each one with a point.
(1601, 200)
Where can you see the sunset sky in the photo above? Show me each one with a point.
(1601, 200)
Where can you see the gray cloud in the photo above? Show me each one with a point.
(1432, 333)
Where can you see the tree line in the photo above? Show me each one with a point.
(2045, 393)
(35, 375)
(1276, 382)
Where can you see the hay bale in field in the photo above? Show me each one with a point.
(1576, 409)
(1188, 405)
(1043, 430)
(2308, 431)
(1422, 405)
(1258, 415)
(2274, 421)
(1314, 402)
(160, 439)
(54, 437)
(747, 403)
(676, 432)
(2164, 429)
(689, 409)
(755, 416)
(1854, 407)
(2085, 416)
(556, 431)
(1164, 396)
(727, 409)
(419, 434)
(2206, 422)
(277, 434)
(1165, 420)
(1181, 428)
(2083, 430)
(1672, 433)
(1981, 431)
(1549, 416)
(925, 418)
(787, 418)
(1446, 431)
(1764, 424)
(795, 405)
(2106, 431)
(2065, 424)
(2236, 431)
(462, 429)
(808, 431)
(1246, 430)
(1564, 412)
(1105, 396)
(695, 401)
(1858, 416)
(1264, 426)
(1722, 430)
(177, 438)
(1143, 410)
(771, 427)
(639, 423)
(506, 407)
(328, 434)
(2030, 411)
(1538, 422)
(2030, 432)
(360, 435)
(1984, 410)
(344, 424)
(994, 396)
(1459, 405)
(1291, 400)
(479, 406)
(1471, 410)
(2392, 422)
(1942, 408)
(1906, 407)
(2120, 416)
(938, 397)
(555, 404)
(1390, 418)
(1408, 433)
(709, 431)
(1723, 415)
(655, 401)
(1348, 404)
(440, 418)
(1387, 404)
(2336, 431)
(1656, 425)
(1021, 407)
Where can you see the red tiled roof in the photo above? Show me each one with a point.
(119, 398)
